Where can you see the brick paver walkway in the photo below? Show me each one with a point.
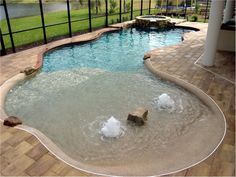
(22, 154)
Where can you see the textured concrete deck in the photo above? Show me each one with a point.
(21, 154)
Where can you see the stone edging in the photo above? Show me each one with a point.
(7, 85)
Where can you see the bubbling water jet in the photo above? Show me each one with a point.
(112, 128)
(164, 102)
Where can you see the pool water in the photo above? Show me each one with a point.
(115, 51)
(82, 86)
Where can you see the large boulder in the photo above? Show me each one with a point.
(12, 121)
(139, 116)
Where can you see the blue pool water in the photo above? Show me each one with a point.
(117, 51)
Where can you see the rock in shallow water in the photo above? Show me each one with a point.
(146, 56)
(139, 116)
(12, 121)
(29, 70)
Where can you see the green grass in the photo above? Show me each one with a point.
(35, 21)
(29, 1)
(54, 31)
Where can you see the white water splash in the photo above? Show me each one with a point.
(111, 128)
(165, 102)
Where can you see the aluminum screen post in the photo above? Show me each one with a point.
(120, 11)
(69, 19)
(43, 23)
(89, 11)
(141, 11)
(185, 9)
(9, 26)
(106, 13)
(206, 12)
(131, 11)
(3, 51)
(149, 8)
(167, 6)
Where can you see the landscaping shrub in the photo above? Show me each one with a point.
(194, 18)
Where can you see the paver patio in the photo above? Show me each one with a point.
(22, 154)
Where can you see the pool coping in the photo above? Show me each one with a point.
(10, 83)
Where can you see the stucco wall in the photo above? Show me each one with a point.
(226, 41)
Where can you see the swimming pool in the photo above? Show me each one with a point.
(115, 51)
(81, 86)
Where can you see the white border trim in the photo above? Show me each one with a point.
(216, 74)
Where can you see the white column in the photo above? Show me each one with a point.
(229, 10)
(214, 24)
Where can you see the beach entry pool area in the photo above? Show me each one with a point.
(85, 91)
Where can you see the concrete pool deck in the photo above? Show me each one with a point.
(22, 154)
